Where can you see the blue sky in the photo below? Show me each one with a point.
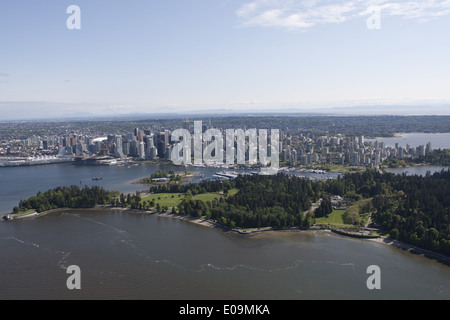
(180, 55)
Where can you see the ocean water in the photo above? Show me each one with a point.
(136, 256)
(438, 140)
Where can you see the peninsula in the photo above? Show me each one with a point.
(410, 209)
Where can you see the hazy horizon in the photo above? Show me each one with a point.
(54, 111)
(135, 57)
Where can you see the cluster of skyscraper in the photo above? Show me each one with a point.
(353, 150)
(295, 148)
(143, 144)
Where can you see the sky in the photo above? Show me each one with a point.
(145, 56)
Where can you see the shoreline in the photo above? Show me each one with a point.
(251, 231)
(413, 249)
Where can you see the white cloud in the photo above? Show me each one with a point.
(301, 15)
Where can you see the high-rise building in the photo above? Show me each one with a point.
(320, 142)
(168, 153)
(293, 157)
(67, 142)
(304, 160)
(428, 148)
(78, 149)
(98, 146)
(126, 148)
(131, 136)
(141, 154)
(284, 155)
(133, 148)
(118, 148)
(355, 159)
(73, 140)
(148, 145)
(314, 157)
(149, 141)
(310, 148)
(162, 141)
(140, 136)
(421, 151)
(153, 153)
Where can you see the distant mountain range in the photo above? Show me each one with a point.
(18, 111)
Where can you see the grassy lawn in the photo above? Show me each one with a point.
(165, 199)
(357, 210)
(335, 218)
(174, 199)
(25, 212)
(205, 197)
(214, 195)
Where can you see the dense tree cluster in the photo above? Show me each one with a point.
(413, 209)
(132, 201)
(197, 188)
(324, 209)
(416, 210)
(262, 201)
(65, 197)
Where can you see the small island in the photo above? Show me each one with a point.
(167, 178)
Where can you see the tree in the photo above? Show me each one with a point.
(188, 196)
(394, 233)
(324, 209)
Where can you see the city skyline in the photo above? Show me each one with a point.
(226, 56)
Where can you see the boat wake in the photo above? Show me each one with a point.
(61, 263)
(23, 242)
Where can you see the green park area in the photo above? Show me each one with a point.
(205, 197)
(164, 199)
(334, 218)
(174, 199)
(232, 192)
(357, 214)
(24, 212)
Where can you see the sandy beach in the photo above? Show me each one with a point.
(413, 249)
